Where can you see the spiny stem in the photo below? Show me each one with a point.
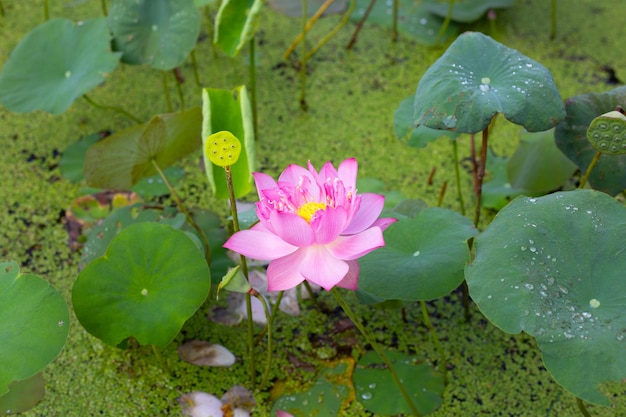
(446, 22)
(592, 164)
(457, 174)
(244, 270)
(179, 88)
(252, 70)
(442, 355)
(378, 349)
(334, 31)
(183, 209)
(114, 108)
(103, 4)
(307, 27)
(360, 24)
(480, 176)
(166, 91)
(582, 408)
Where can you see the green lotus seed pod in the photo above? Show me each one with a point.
(607, 133)
(222, 148)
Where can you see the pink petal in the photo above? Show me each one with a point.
(282, 273)
(354, 246)
(258, 244)
(293, 173)
(320, 267)
(327, 173)
(351, 280)
(369, 210)
(292, 228)
(347, 173)
(328, 225)
(281, 413)
(263, 182)
(384, 223)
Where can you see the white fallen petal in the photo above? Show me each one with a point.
(240, 412)
(201, 353)
(200, 404)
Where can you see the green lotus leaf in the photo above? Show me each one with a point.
(553, 267)
(151, 279)
(236, 23)
(414, 21)
(229, 110)
(416, 137)
(476, 78)
(72, 163)
(538, 166)
(423, 257)
(122, 159)
(375, 387)
(158, 33)
(23, 395)
(497, 190)
(465, 11)
(571, 138)
(34, 323)
(55, 63)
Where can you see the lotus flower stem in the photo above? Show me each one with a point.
(303, 61)
(46, 10)
(334, 31)
(194, 63)
(582, 408)
(166, 91)
(271, 318)
(183, 209)
(159, 358)
(307, 27)
(103, 4)
(252, 69)
(377, 348)
(244, 270)
(394, 22)
(1, 9)
(592, 164)
(457, 175)
(114, 108)
(268, 363)
(360, 24)
(442, 355)
(480, 176)
(553, 27)
(446, 22)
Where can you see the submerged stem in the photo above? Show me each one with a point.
(103, 4)
(334, 31)
(582, 408)
(446, 22)
(183, 209)
(378, 349)
(179, 88)
(114, 108)
(166, 92)
(592, 164)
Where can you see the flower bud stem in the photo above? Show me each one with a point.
(592, 164)
(582, 408)
(377, 348)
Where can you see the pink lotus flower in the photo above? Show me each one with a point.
(313, 226)
(281, 413)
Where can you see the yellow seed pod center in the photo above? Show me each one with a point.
(222, 148)
(306, 211)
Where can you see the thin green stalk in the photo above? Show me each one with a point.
(592, 164)
(307, 27)
(209, 30)
(103, 4)
(114, 108)
(252, 70)
(378, 349)
(2, 9)
(179, 89)
(553, 28)
(159, 358)
(334, 31)
(46, 10)
(166, 91)
(394, 23)
(244, 270)
(194, 63)
(442, 355)
(274, 312)
(446, 22)
(480, 176)
(359, 25)
(303, 104)
(457, 175)
(183, 209)
(582, 408)
(268, 362)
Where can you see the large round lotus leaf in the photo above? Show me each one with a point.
(23, 395)
(414, 21)
(554, 267)
(423, 257)
(478, 77)
(378, 393)
(151, 279)
(417, 137)
(122, 159)
(465, 11)
(55, 63)
(571, 138)
(159, 33)
(34, 322)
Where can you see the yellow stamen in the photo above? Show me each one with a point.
(308, 210)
